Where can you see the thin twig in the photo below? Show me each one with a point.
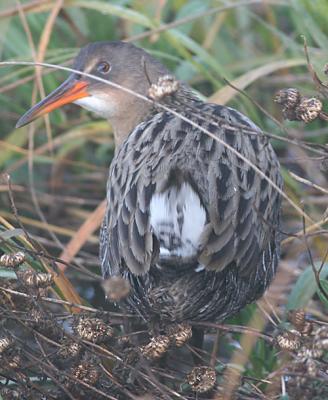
(59, 301)
(311, 228)
(307, 182)
(177, 114)
(314, 269)
(233, 329)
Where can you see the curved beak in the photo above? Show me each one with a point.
(70, 90)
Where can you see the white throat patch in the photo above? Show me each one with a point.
(101, 105)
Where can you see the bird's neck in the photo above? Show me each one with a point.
(132, 114)
(125, 123)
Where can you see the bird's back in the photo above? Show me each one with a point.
(193, 226)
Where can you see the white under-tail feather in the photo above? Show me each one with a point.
(178, 219)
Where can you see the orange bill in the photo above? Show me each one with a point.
(70, 90)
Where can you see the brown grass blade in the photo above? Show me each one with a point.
(82, 235)
(33, 6)
(41, 225)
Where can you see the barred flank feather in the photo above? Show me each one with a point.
(192, 226)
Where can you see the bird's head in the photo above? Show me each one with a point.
(118, 62)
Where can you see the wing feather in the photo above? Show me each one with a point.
(240, 205)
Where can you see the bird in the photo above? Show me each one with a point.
(194, 189)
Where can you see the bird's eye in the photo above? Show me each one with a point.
(103, 67)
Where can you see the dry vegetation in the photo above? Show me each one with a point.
(59, 338)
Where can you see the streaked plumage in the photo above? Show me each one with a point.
(194, 228)
(237, 250)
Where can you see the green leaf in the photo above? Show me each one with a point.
(16, 137)
(7, 274)
(305, 287)
(10, 233)
(118, 11)
(309, 23)
(197, 49)
(225, 94)
(324, 286)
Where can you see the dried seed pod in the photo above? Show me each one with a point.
(201, 379)
(311, 367)
(130, 356)
(124, 341)
(14, 362)
(324, 165)
(321, 338)
(306, 353)
(86, 372)
(116, 288)
(289, 340)
(297, 318)
(289, 114)
(300, 380)
(36, 279)
(308, 109)
(44, 322)
(325, 69)
(156, 348)
(12, 260)
(92, 329)
(288, 98)
(38, 318)
(69, 349)
(322, 344)
(165, 86)
(10, 394)
(317, 353)
(321, 333)
(179, 334)
(9, 355)
(6, 343)
(6, 298)
(307, 328)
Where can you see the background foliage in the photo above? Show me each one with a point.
(58, 169)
